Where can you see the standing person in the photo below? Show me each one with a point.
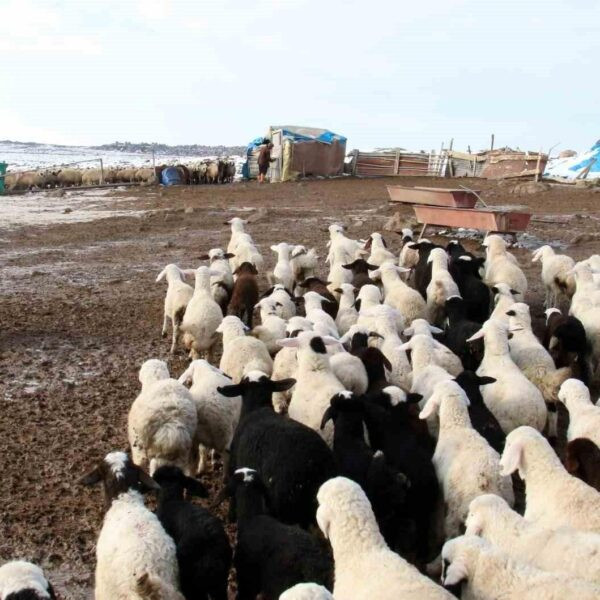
(264, 160)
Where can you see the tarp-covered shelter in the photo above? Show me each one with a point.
(575, 167)
(298, 152)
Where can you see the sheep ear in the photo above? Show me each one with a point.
(476, 336)
(161, 275)
(408, 332)
(405, 347)
(268, 292)
(186, 375)
(474, 525)
(92, 478)
(514, 292)
(429, 409)
(371, 267)
(231, 391)
(327, 416)
(495, 290)
(203, 257)
(195, 488)
(455, 573)
(328, 340)
(485, 380)
(146, 482)
(289, 342)
(282, 385)
(387, 364)
(349, 266)
(376, 273)
(435, 329)
(323, 521)
(511, 458)
(228, 255)
(413, 398)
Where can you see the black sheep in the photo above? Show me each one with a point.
(465, 271)
(271, 557)
(203, 550)
(292, 458)
(373, 359)
(458, 330)
(360, 272)
(423, 269)
(482, 418)
(583, 461)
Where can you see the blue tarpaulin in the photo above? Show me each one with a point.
(571, 167)
(170, 176)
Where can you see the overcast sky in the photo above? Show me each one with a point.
(383, 73)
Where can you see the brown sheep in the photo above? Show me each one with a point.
(244, 296)
(360, 271)
(314, 284)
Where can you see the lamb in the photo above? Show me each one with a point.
(482, 418)
(306, 591)
(441, 287)
(555, 276)
(458, 330)
(564, 549)
(218, 416)
(286, 308)
(135, 557)
(502, 267)
(271, 556)
(360, 272)
(347, 313)
(315, 313)
(531, 357)
(464, 268)
(338, 273)
(582, 460)
(379, 251)
(423, 268)
(513, 399)
(486, 573)
(285, 363)
(345, 248)
(178, 297)
(553, 497)
(283, 272)
(242, 353)
(246, 252)
(245, 293)
(584, 415)
(315, 381)
(304, 263)
(262, 440)
(202, 316)
(350, 371)
(20, 580)
(272, 327)
(409, 257)
(238, 231)
(444, 357)
(365, 567)
(203, 550)
(222, 284)
(465, 464)
(504, 298)
(399, 295)
(162, 421)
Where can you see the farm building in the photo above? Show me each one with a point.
(298, 152)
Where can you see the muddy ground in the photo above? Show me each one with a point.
(80, 312)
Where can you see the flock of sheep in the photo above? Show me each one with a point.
(389, 406)
(203, 172)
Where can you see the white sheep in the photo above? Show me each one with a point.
(347, 314)
(218, 415)
(306, 591)
(162, 421)
(513, 399)
(531, 357)
(409, 257)
(563, 549)
(465, 464)
(444, 357)
(337, 273)
(365, 567)
(285, 363)
(304, 263)
(202, 316)
(379, 251)
(488, 573)
(441, 287)
(315, 314)
(584, 415)
(399, 295)
(554, 498)
(221, 284)
(341, 249)
(272, 326)
(502, 267)
(135, 557)
(237, 231)
(246, 251)
(555, 268)
(351, 372)
(286, 308)
(504, 298)
(20, 579)
(316, 383)
(283, 272)
(179, 294)
(242, 353)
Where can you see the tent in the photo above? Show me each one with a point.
(299, 152)
(574, 166)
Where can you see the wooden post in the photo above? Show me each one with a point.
(355, 162)
(492, 142)
(154, 163)
(537, 166)
(451, 144)
(397, 162)
(101, 172)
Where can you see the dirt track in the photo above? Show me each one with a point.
(79, 313)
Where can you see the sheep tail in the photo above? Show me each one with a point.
(150, 587)
(170, 441)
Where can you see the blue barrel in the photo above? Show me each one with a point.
(170, 176)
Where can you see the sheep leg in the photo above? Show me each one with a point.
(203, 454)
(225, 457)
(175, 336)
(165, 325)
(213, 459)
